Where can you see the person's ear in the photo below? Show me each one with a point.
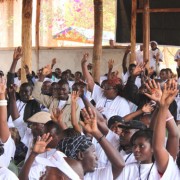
(80, 156)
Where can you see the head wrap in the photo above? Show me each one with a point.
(72, 145)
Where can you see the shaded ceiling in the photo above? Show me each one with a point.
(164, 27)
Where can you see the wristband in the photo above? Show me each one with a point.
(3, 102)
(100, 139)
(168, 119)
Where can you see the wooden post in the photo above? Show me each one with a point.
(146, 31)
(133, 31)
(38, 7)
(98, 30)
(26, 37)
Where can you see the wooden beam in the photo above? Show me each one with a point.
(98, 30)
(133, 31)
(146, 31)
(38, 7)
(159, 10)
(26, 37)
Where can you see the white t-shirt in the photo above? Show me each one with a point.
(20, 107)
(9, 151)
(177, 99)
(126, 76)
(100, 174)
(172, 171)
(6, 174)
(139, 56)
(137, 171)
(177, 55)
(102, 158)
(128, 158)
(118, 106)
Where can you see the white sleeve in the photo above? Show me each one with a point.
(9, 151)
(172, 170)
(21, 126)
(80, 103)
(97, 93)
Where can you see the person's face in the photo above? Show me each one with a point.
(60, 91)
(153, 46)
(77, 76)
(125, 136)
(46, 88)
(169, 75)
(109, 91)
(53, 174)
(163, 75)
(142, 150)
(25, 93)
(131, 69)
(37, 129)
(58, 72)
(65, 76)
(90, 159)
(116, 129)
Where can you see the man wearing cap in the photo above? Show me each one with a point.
(155, 57)
(128, 129)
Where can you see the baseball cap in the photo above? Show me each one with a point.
(115, 119)
(40, 117)
(133, 125)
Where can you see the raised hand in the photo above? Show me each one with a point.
(85, 58)
(128, 49)
(110, 64)
(138, 69)
(90, 121)
(41, 144)
(53, 61)
(17, 53)
(46, 70)
(154, 89)
(74, 96)
(147, 108)
(169, 93)
(56, 115)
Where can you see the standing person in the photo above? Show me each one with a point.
(155, 57)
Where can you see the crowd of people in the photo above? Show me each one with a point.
(60, 125)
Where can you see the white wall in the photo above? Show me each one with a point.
(66, 58)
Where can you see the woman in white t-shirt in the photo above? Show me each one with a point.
(145, 168)
(165, 163)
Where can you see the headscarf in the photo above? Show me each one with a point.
(72, 145)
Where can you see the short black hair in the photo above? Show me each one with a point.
(52, 125)
(147, 134)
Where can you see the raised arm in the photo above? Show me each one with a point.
(57, 117)
(16, 56)
(39, 147)
(110, 68)
(90, 125)
(124, 61)
(160, 152)
(101, 122)
(74, 98)
(89, 79)
(147, 108)
(4, 129)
